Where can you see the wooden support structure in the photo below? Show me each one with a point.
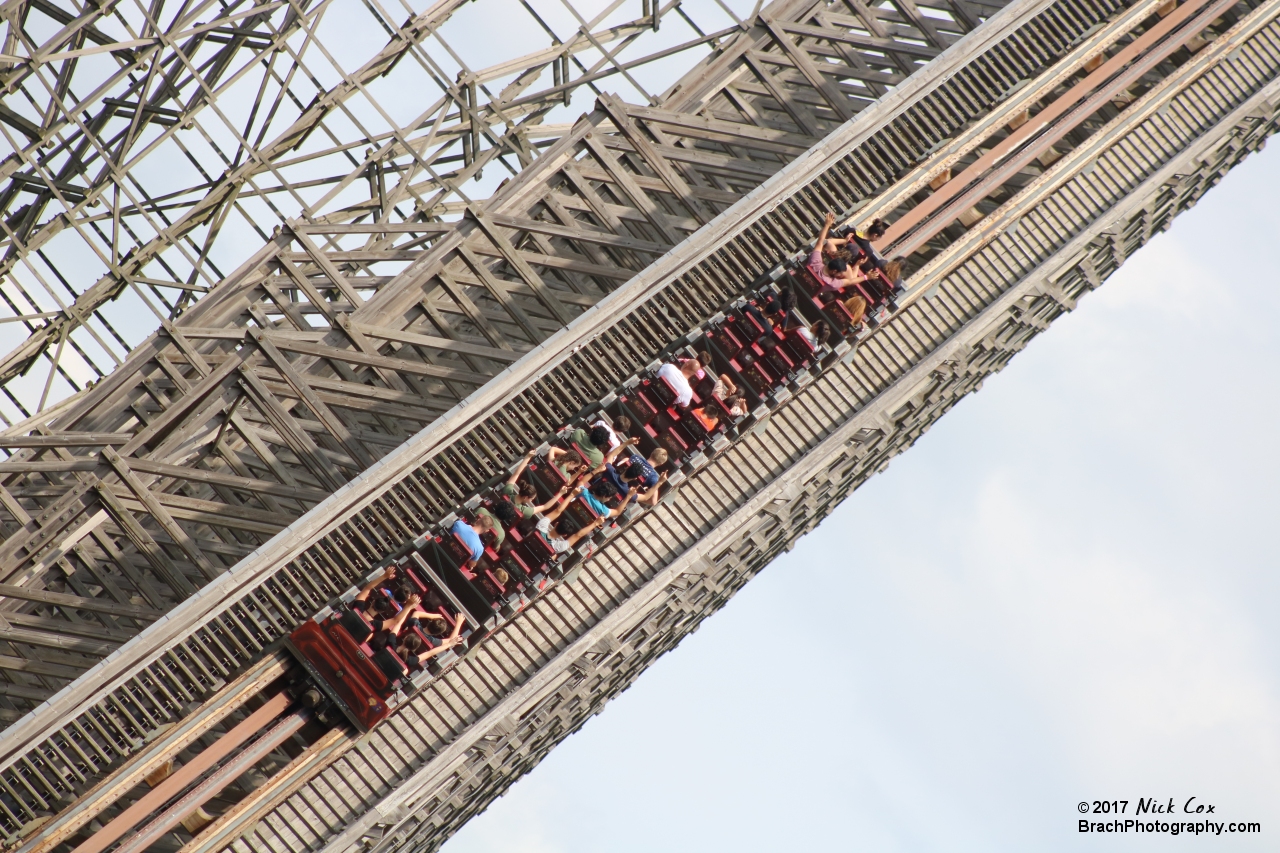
(403, 361)
(353, 327)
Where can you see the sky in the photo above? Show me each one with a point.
(1065, 592)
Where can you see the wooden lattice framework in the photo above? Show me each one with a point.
(367, 314)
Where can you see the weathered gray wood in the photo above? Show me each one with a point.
(499, 290)
(55, 641)
(146, 545)
(383, 361)
(59, 465)
(790, 103)
(602, 238)
(98, 605)
(433, 342)
(604, 156)
(35, 667)
(323, 261)
(656, 161)
(331, 422)
(159, 513)
(298, 441)
(200, 475)
(65, 440)
(833, 96)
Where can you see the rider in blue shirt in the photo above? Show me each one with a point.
(634, 473)
(647, 475)
(470, 537)
(612, 476)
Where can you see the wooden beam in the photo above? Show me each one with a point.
(180, 408)
(232, 417)
(550, 201)
(586, 194)
(331, 421)
(660, 165)
(589, 169)
(841, 31)
(327, 266)
(303, 283)
(51, 521)
(60, 466)
(39, 667)
(147, 546)
(414, 406)
(101, 542)
(369, 254)
(67, 439)
(497, 288)
(217, 478)
(54, 640)
(216, 514)
(580, 232)
(96, 605)
(373, 228)
(433, 342)
(925, 26)
(543, 293)
(750, 135)
(799, 113)
(294, 437)
(24, 691)
(354, 357)
(389, 377)
(288, 307)
(382, 402)
(556, 262)
(713, 162)
(638, 197)
(442, 324)
(470, 310)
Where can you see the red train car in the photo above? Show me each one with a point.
(344, 670)
(367, 681)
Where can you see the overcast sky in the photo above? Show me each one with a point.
(1065, 591)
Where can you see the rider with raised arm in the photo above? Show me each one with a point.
(522, 494)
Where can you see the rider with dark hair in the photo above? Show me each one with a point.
(598, 493)
(834, 273)
(736, 404)
(591, 444)
(618, 430)
(401, 589)
(864, 237)
(506, 512)
(396, 633)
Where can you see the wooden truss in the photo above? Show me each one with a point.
(365, 315)
(135, 157)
